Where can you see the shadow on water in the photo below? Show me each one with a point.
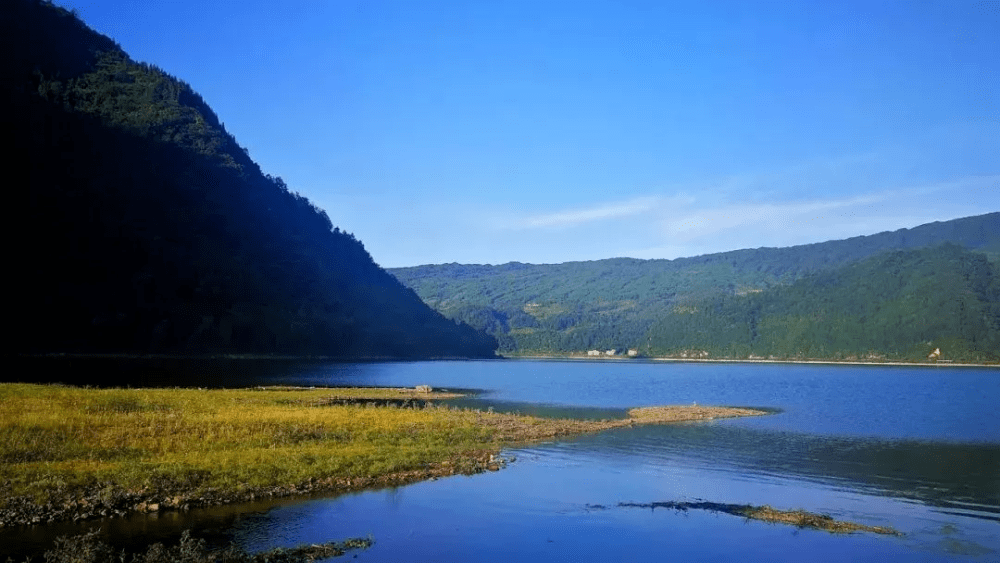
(135, 532)
(960, 479)
(148, 371)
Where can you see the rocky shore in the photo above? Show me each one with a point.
(104, 500)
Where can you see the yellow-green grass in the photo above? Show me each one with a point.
(73, 447)
(54, 437)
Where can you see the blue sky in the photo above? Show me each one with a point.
(547, 131)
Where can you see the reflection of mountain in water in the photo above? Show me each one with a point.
(150, 371)
(956, 478)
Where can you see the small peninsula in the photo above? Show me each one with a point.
(74, 453)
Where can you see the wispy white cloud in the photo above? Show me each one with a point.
(599, 212)
(829, 173)
(710, 220)
(735, 225)
(674, 222)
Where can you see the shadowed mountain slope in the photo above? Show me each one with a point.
(142, 226)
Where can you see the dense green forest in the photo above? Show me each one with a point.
(138, 224)
(893, 295)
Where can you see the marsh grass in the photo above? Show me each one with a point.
(68, 448)
(223, 439)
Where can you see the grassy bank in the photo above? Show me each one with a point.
(70, 453)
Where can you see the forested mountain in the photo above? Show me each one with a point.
(138, 224)
(892, 295)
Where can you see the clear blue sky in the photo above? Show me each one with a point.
(544, 131)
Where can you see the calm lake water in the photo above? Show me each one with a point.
(915, 448)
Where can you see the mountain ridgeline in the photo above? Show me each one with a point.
(891, 296)
(140, 225)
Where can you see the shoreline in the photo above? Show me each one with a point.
(575, 357)
(248, 356)
(402, 435)
(893, 363)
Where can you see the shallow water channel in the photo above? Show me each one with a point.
(914, 448)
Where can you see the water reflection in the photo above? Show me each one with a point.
(959, 478)
(542, 507)
(146, 371)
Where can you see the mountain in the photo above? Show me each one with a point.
(138, 224)
(882, 295)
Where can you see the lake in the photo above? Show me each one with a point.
(915, 448)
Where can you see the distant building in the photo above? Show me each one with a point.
(611, 352)
(633, 352)
(593, 352)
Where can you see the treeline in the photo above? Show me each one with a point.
(140, 225)
(826, 300)
(900, 305)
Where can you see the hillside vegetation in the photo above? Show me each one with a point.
(894, 295)
(142, 226)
